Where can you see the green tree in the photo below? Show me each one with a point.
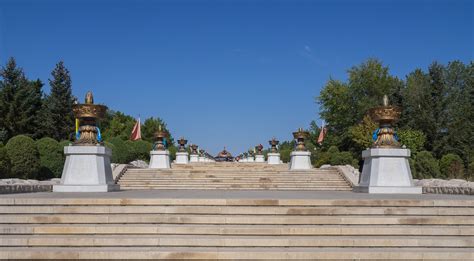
(121, 153)
(361, 134)
(57, 117)
(51, 158)
(426, 166)
(451, 166)
(151, 125)
(120, 126)
(24, 157)
(20, 102)
(5, 164)
(140, 149)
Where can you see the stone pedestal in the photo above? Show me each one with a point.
(250, 159)
(300, 160)
(182, 158)
(159, 159)
(202, 159)
(273, 158)
(259, 158)
(194, 158)
(87, 169)
(386, 171)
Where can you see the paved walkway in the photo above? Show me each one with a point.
(241, 194)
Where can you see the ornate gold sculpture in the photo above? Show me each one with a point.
(194, 148)
(259, 149)
(88, 114)
(386, 116)
(300, 137)
(201, 152)
(273, 142)
(159, 136)
(251, 152)
(182, 142)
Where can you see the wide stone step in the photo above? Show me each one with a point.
(235, 187)
(185, 229)
(241, 210)
(233, 219)
(236, 241)
(235, 253)
(227, 183)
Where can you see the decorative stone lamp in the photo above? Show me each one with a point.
(194, 156)
(87, 167)
(160, 156)
(386, 168)
(300, 157)
(259, 157)
(273, 155)
(250, 157)
(182, 154)
(202, 156)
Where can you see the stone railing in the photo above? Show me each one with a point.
(350, 173)
(440, 186)
(10, 186)
(118, 170)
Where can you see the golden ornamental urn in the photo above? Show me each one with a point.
(88, 113)
(182, 143)
(194, 148)
(385, 115)
(159, 136)
(259, 149)
(300, 136)
(273, 143)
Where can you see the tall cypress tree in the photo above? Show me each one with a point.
(57, 116)
(20, 102)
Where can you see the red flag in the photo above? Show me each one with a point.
(136, 131)
(322, 134)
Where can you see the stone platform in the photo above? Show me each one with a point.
(253, 224)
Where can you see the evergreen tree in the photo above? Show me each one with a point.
(20, 102)
(57, 117)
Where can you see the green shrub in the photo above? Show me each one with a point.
(285, 155)
(51, 158)
(470, 171)
(451, 166)
(341, 158)
(426, 166)
(412, 139)
(141, 149)
(24, 157)
(333, 150)
(5, 166)
(121, 153)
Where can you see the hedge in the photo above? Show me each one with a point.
(451, 166)
(140, 149)
(51, 158)
(426, 166)
(121, 153)
(24, 157)
(5, 166)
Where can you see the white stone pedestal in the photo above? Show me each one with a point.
(159, 159)
(202, 159)
(87, 169)
(182, 158)
(250, 159)
(194, 158)
(386, 171)
(273, 158)
(300, 160)
(259, 158)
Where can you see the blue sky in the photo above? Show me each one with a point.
(227, 73)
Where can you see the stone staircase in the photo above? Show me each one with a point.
(238, 176)
(120, 226)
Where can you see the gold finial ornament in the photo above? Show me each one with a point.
(88, 114)
(385, 115)
(300, 136)
(182, 142)
(273, 142)
(194, 148)
(259, 149)
(159, 139)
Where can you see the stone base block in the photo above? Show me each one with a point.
(273, 158)
(182, 158)
(259, 158)
(202, 159)
(250, 159)
(388, 190)
(386, 170)
(300, 160)
(87, 168)
(193, 158)
(159, 159)
(85, 188)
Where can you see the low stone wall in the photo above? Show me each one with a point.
(350, 173)
(10, 186)
(440, 186)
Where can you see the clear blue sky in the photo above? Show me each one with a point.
(231, 73)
